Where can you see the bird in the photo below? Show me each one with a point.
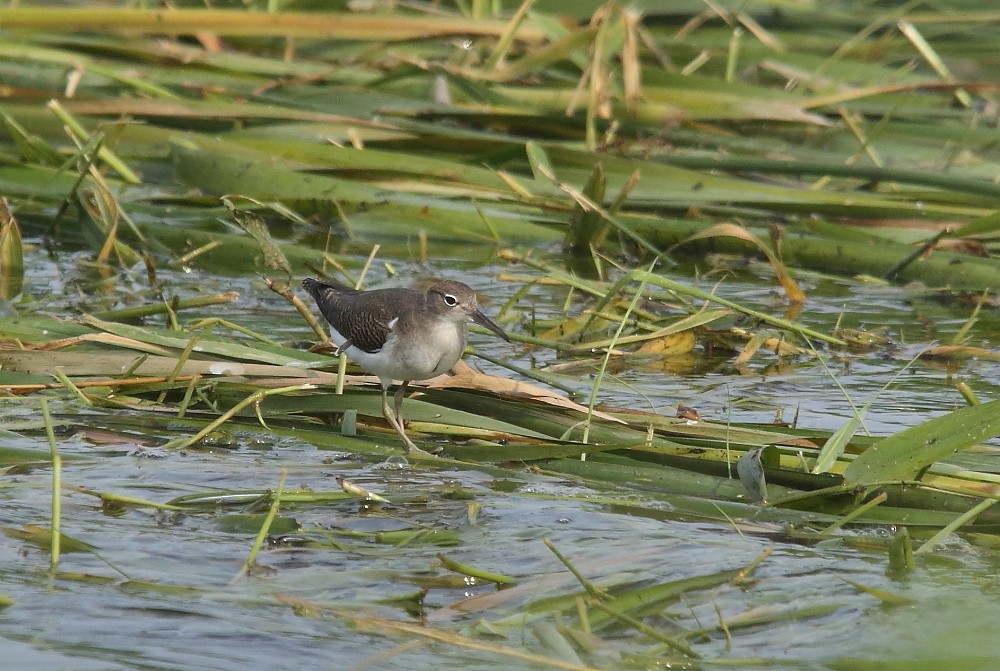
(400, 334)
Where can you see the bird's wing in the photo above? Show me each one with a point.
(365, 327)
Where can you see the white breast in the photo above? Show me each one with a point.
(421, 359)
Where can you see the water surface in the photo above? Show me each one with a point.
(160, 589)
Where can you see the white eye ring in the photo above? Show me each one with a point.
(450, 300)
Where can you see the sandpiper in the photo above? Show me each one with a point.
(400, 334)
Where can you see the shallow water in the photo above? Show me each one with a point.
(160, 590)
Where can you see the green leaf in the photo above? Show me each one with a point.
(887, 598)
(477, 573)
(539, 162)
(586, 227)
(835, 444)
(11, 254)
(41, 537)
(901, 552)
(254, 225)
(32, 148)
(902, 455)
(208, 344)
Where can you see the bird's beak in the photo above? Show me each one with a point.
(486, 322)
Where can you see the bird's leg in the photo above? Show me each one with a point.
(396, 421)
(391, 417)
(398, 406)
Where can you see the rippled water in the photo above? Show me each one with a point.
(161, 592)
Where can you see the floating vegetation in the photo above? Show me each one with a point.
(628, 165)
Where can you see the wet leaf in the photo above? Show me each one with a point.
(478, 574)
(41, 537)
(887, 598)
(11, 254)
(901, 552)
(902, 455)
(791, 288)
(33, 149)
(587, 228)
(359, 492)
(836, 443)
(254, 225)
(960, 353)
(669, 345)
(752, 475)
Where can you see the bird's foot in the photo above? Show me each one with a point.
(411, 448)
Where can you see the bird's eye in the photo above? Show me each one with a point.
(450, 300)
